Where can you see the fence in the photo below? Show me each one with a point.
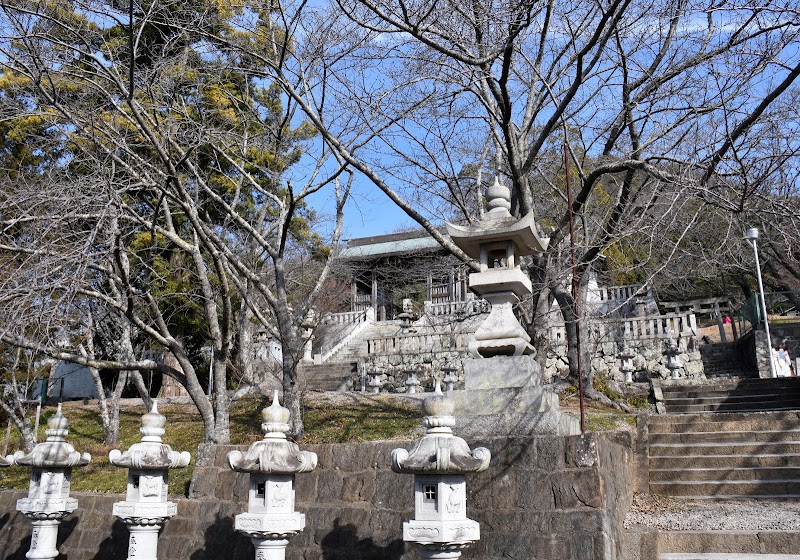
(637, 328)
(783, 304)
(418, 343)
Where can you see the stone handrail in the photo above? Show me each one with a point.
(356, 321)
(428, 343)
(347, 318)
(468, 307)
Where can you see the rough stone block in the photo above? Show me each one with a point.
(225, 483)
(394, 491)
(329, 486)
(581, 450)
(576, 488)
(355, 457)
(358, 487)
(204, 483)
(550, 453)
(538, 495)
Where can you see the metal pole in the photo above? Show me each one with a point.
(752, 235)
(211, 373)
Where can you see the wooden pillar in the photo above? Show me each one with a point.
(353, 294)
(375, 292)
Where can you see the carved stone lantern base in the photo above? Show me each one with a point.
(270, 549)
(500, 334)
(442, 551)
(44, 535)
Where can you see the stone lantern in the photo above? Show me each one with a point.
(308, 324)
(272, 464)
(671, 352)
(498, 241)
(439, 461)
(412, 382)
(375, 382)
(450, 377)
(626, 366)
(48, 500)
(146, 509)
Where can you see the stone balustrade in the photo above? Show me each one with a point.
(348, 317)
(620, 293)
(418, 343)
(664, 326)
(636, 328)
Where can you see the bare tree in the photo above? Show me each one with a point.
(171, 204)
(658, 105)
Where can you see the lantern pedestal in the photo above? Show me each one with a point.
(439, 461)
(272, 463)
(48, 500)
(146, 509)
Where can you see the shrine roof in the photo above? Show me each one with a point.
(390, 244)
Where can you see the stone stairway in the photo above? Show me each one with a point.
(725, 455)
(723, 360)
(356, 349)
(733, 395)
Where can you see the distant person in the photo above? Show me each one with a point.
(726, 320)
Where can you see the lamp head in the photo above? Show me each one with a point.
(751, 234)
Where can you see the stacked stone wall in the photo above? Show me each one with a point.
(543, 497)
(649, 360)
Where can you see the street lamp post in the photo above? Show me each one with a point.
(752, 235)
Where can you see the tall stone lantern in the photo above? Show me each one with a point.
(146, 509)
(498, 241)
(439, 460)
(272, 464)
(48, 500)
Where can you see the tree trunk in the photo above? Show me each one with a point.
(577, 338)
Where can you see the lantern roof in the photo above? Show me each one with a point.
(498, 225)
(54, 452)
(439, 451)
(274, 454)
(151, 453)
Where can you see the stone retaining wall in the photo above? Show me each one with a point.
(649, 360)
(543, 497)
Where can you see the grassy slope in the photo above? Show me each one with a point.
(331, 418)
(326, 422)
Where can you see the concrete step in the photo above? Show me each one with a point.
(766, 420)
(675, 462)
(725, 556)
(725, 473)
(725, 448)
(727, 488)
(749, 406)
(721, 391)
(728, 545)
(715, 436)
